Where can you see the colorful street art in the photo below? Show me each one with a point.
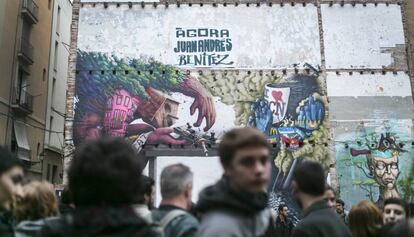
(150, 81)
(140, 99)
(374, 164)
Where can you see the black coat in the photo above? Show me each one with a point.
(6, 225)
(321, 221)
(108, 222)
(283, 229)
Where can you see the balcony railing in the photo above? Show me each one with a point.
(26, 51)
(30, 11)
(22, 101)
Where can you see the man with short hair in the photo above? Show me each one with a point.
(104, 180)
(173, 213)
(318, 218)
(283, 225)
(145, 198)
(330, 197)
(395, 210)
(11, 177)
(340, 209)
(237, 204)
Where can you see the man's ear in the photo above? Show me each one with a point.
(188, 191)
(146, 198)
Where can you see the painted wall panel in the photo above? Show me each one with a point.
(370, 107)
(373, 159)
(361, 97)
(368, 85)
(253, 37)
(363, 37)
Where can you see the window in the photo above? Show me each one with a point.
(26, 31)
(119, 99)
(58, 21)
(49, 5)
(53, 90)
(44, 74)
(54, 171)
(21, 86)
(50, 128)
(126, 102)
(56, 56)
(48, 172)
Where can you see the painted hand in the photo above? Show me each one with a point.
(206, 110)
(162, 135)
(262, 115)
(202, 101)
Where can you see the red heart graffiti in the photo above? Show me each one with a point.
(277, 95)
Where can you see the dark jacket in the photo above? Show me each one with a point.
(321, 221)
(283, 228)
(181, 226)
(226, 212)
(6, 224)
(106, 222)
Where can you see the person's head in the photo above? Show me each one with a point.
(395, 210)
(340, 206)
(365, 219)
(11, 177)
(283, 210)
(330, 197)
(38, 202)
(244, 154)
(146, 195)
(105, 172)
(308, 181)
(177, 184)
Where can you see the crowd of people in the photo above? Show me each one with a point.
(107, 195)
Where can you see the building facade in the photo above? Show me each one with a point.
(55, 111)
(25, 38)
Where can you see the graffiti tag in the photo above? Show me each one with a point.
(203, 47)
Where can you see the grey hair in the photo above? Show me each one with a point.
(174, 180)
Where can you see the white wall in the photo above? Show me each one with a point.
(207, 170)
(262, 37)
(354, 36)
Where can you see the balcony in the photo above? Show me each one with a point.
(25, 52)
(22, 103)
(30, 11)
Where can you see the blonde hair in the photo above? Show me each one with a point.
(39, 201)
(365, 219)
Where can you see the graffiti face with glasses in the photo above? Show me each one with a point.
(385, 171)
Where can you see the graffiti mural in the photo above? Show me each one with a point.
(148, 102)
(189, 80)
(375, 162)
(134, 101)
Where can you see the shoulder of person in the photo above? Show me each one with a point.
(300, 232)
(218, 226)
(186, 220)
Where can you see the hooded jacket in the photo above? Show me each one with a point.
(226, 212)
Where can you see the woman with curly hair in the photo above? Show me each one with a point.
(365, 220)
